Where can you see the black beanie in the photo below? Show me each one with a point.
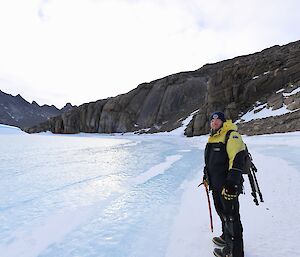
(218, 115)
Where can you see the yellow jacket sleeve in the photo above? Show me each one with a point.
(235, 147)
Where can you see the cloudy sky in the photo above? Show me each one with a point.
(58, 51)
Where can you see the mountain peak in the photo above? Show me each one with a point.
(16, 111)
(34, 103)
(67, 107)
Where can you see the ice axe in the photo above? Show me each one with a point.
(209, 206)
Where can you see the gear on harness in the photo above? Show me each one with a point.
(249, 170)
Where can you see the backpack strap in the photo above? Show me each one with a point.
(228, 135)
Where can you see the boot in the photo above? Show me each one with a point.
(224, 252)
(219, 240)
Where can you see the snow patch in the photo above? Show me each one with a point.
(190, 236)
(280, 90)
(295, 91)
(180, 131)
(265, 73)
(263, 113)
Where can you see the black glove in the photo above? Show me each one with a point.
(230, 191)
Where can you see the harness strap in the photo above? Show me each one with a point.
(227, 136)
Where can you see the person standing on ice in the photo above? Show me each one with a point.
(223, 174)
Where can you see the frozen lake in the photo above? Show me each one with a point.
(133, 196)
(91, 196)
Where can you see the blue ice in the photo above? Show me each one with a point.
(91, 196)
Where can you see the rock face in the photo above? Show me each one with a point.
(16, 111)
(233, 86)
(277, 124)
(239, 83)
(157, 106)
(288, 99)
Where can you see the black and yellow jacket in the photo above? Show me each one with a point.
(224, 162)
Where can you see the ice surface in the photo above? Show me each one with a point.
(135, 196)
(5, 129)
(157, 169)
(269, 227)
(75, 196)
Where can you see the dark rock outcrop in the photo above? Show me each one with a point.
(157, 105)
(288, 100)
(16, 111)
(276, 124)
(239, 83)
(233, 86)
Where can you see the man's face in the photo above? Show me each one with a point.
(215, 124)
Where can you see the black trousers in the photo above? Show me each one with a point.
(229, 213)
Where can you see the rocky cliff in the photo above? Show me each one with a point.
(240, 83)
(158, 106)
(286, 100)
(234, 86)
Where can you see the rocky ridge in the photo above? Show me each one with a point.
(156, 106)
(234, 86)
(16, 111)
(243, 81)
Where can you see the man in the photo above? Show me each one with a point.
(223, 173)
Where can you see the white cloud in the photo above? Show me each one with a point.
(84, 50)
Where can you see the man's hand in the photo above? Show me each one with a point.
(205, 180)
(230, 191)
(205, 176)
